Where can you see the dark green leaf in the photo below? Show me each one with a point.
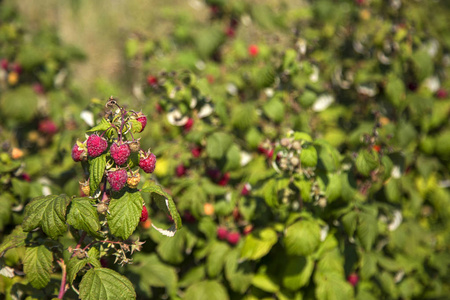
(73, 267)
(302, 237)
(125, 212)
(96, 171)
(216, 258)
(366, 162)
(83, 215)
(15, 239)
(367, 230)
(298, 272)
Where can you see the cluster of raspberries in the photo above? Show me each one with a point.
(120, 152)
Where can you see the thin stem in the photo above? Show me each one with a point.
(62, 289)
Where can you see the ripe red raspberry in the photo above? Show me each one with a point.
(246, 189)
(353, 279)
(196, 152)
(147, 162)
(222, 233)
(47, 126)
(152, 80)
(253, 50)
(224, 179)
(142, 119)
(120, 153)
(96, 145)
(189, 124)
(117, 179)
(144, 214)
(4, 64)
(233, 238)
(180, 171)
(78, 154)
(441, 94)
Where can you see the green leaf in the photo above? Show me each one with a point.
(125, 212)
(423, 64)
(217, 144)
(48, 212)
(258, 243)
(136, 126)
(164, 202)
(102, 126)
(368, 265)
(83, 215)
(367, 230)
(298, 272)
(366, 162)
(233, 156)
(274, 109)
(192, 276)
(244, 116)
(302, 238)
(238, 273)
(73, 267)
(333, 190)
(171, 249)
(388, 284)
(19, 104)
(333, 287)
(206, 290)
(350, 220)
(395, 90)
(97, 167)
(329, 157)
(216, 258)
(443, 144)
(265, 283)
(305, 189)
(15, 239)
(37, 265)
(93, 257)
(308, 156)
(103, 283)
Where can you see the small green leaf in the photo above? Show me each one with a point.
(239, 274)
(308, 156)
(125, 212)
(37, 265)
(258, 243)
(333, 287)
(366, 162)
(96, 170)
(103, 283)
(350, 220)
(367, 230)
(265, 283)
(298, 272)
(206, 290)
(171, 249)
(274, 109)
(136, 126)
(15, 239)
(164, 202)
(368, 265)
(73, 267)
(104, 125)
(83, 215)
(333, 190)
(217, 144)
(216, 258)
(302, 238)
(395, 90)
(48, 212)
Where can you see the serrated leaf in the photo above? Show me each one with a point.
(329, 157)
(368, 265)
(233, 157)
(257, 244)
(103, 283)
(274, 109)
(302, 238)
(298, 272)
(15, 239)
(216, 258)
(136, 126)
(395, 90)
(367, 230)
(217, 144)
(37, 265)
(164, 202)
(239, 274)
(125, 212)
(73, 267)
(93, 257)
(333, 190)
(333, 287)
(206, 290)
(171, 249)
(97, 167)
(366, 162)
(48, 212)
(83, 215)
(350, 220)
(308, 156)
(102, 126)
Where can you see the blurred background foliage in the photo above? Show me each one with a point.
(229, 88)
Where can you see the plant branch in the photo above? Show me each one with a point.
(62, 289)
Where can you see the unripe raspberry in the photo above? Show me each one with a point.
(247, 229)
(96, 145)
(78, 154)
(80, 254)
(208, 208)
(222, 233)
(16, 153)
(147, 162)
(144, 214)
(84, 186)
(13, 78)
(135, 146)
(117, 179)
(134, 179)
(143, 120)
(147, 224)
(102, 207)
(233, 238)
(120, 153)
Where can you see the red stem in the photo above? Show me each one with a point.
(62, 289)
